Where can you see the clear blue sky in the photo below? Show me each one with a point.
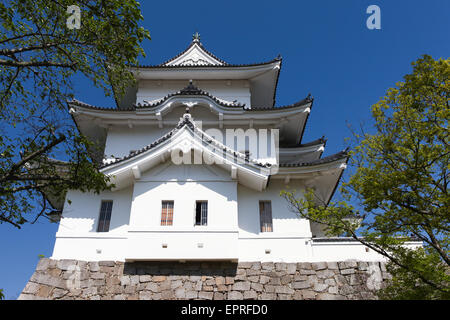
(326, 48)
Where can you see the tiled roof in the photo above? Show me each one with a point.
(316, 142)
(208, 66)
(191, 90)
(302, 102)
(337, 156)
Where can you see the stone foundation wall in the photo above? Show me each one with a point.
(71, 279)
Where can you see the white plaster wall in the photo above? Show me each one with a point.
(184, 184)
(228, 90)
(81, 215)
(77, 237)
(285, 222)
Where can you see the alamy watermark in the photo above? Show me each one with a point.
(374, 20)
(74, 19)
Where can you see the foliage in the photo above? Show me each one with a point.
(39, 58)
(2, 295)
(399, 188)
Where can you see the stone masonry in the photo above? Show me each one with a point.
(104, 280)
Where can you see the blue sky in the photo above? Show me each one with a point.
(327, 50)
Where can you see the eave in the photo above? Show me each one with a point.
(290, 119)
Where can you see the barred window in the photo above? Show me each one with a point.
(105, 216)
(167, 213)
(265, 216)
(201, 213)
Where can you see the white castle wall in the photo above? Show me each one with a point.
(232, 232)
(223, 89)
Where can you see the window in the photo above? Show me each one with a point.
(265, 216)
(201, 213)
(167, 213)
(105, 216)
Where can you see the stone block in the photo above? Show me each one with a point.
(301, 285)
(325, 274)
(67, 264)
(159, 278)
(308, 295)
(180, 293)
(250, 295)
(44, 291)
(347, 271)
(300, 277)
(98, 275)
(205, 295)
(264, 279)
(333, 290)
(280, 266)
(167, 295)
(320, 287)
(235, 295)
(256, 266)
(328, 296)
(241, 286)
(191, 294)
(229, 280)
(106, 263)
(257, 287)
(348, 264)
(304, 266)
(319, 265)
(284, 290)
(176, 284)
(125, 280)
(291, 268)
(245, 265)
(43, 264)
(145, 278)
(306, 272)
(218, 296)
(268, 296)
(269, 266)
(285, 279)
(94, 266)
(332, 265)
(269, 288)
(330, 282)
(31, 288)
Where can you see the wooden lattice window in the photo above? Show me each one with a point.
(167, 213)
(105, 216)
(265, 216)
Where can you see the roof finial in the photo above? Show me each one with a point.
(196, 37)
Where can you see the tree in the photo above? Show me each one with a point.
(40, 54)
(399, 188)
